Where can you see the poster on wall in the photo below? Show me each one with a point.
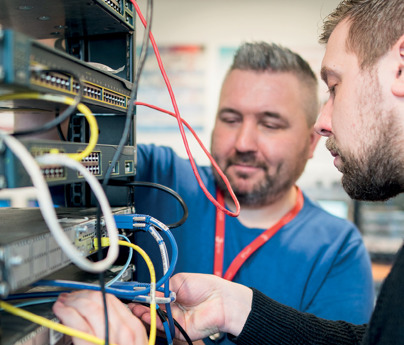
(185, 66)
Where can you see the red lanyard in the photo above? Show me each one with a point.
(254, 245)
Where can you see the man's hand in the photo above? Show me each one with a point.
(205, 305)
(84, 311)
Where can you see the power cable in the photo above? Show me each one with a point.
(162, 188)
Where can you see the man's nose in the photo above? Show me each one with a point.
(247, 136)
(323, 123)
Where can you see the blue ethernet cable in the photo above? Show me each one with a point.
(166, 329)
(28, 295)
(125, 291)
(173, 243)
(34, 302)
(144, 222)
(163, 227)
(129, 222)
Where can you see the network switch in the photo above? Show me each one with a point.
(97, 162)
(66, 18)
(28, 65)
(27, 247)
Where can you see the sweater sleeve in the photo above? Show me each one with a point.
(271, 322)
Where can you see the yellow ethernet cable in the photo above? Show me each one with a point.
(92, 122)
(153, 312)
(50, 324)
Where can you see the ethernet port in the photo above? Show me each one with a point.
(129, 5)
(129, 19)
(128, 167)
(115, 169)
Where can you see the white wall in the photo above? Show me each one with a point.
(216, 23)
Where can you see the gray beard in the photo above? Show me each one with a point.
(263, 193)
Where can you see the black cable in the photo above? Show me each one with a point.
(182, 331)
(101, 276)
(60, 132)
(133, 95)
(163, 318)
(123, 140)
(162, 188)
(62, 117)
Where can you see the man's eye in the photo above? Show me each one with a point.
(229, 119)
(331, 90)
(270, 126)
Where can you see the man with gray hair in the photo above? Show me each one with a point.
(262, 138)
(282, 243)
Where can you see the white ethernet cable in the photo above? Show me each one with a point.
(48, 212)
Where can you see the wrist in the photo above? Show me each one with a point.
(238, 301)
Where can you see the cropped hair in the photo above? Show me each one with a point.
(375, 26)
(263, 56)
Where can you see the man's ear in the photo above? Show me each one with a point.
(398, 84)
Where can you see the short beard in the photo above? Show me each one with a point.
(263, 193)
(377, 174)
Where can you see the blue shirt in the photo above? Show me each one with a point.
(317, 263)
